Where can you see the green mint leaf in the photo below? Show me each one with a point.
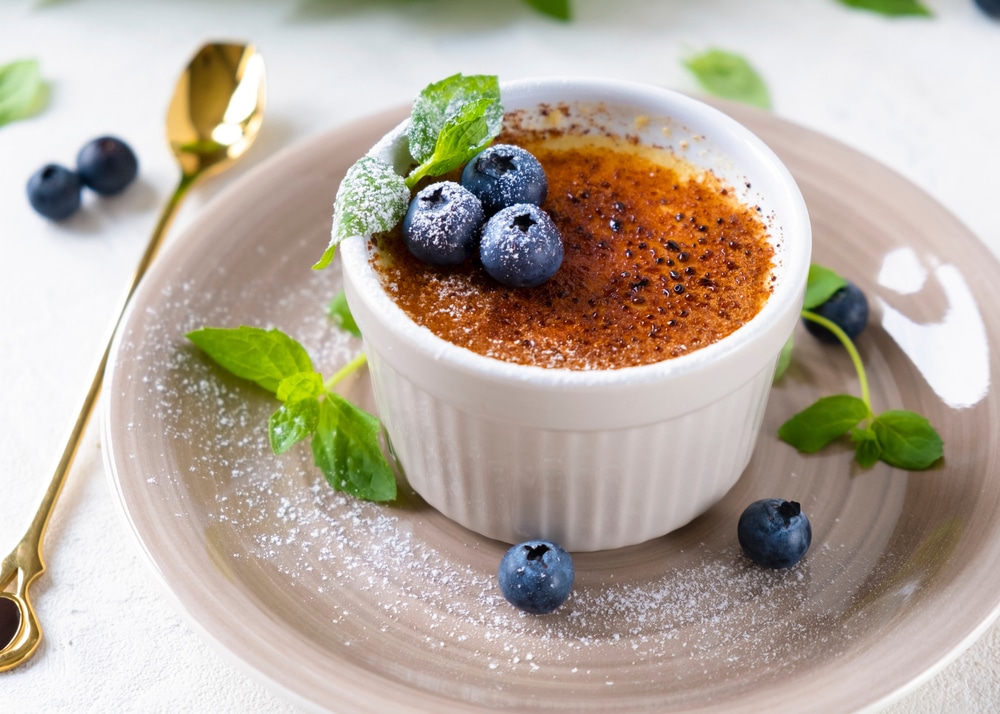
(821, 284)
(908, 440)
(21, 90)
(784, 358)
(442, 102)
(340, 313)
(892, 8)
(301, 385)
(265, 357)
(293, 422)
(867, 449)
(729, 76)
(346, 449)
(826, 420)
(462, 137)
(372, 198)
(559, 9)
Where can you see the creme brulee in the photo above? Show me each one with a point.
(660, 258)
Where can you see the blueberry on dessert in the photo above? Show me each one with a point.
(774, 533)
(521, 247)
(442, 224)
(504, 175)
(536, 576)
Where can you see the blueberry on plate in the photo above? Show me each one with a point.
(536, 576)
(442, 224)
(774, 533)
(847, 308)
(503, 175)
(54, 191)
(106, 165)
(521, 247)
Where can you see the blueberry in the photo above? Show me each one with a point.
(847, 308)
(503, 175)
(521, 246)
(442, 224)
(106, 165)
(54, 191)
(990, 7)
(536, 576)
(774, 533)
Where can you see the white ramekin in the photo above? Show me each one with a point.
(591, 459)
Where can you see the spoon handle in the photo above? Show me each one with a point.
(25, 560)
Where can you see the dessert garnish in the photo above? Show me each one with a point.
(729, 76)
(890, 8)
(898, 437)
(536, 576)
(451, 121)
(345, 438)
(106, 165)
(22, 91)
(774, 533)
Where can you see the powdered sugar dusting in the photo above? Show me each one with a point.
(403, 581)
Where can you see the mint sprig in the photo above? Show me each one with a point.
(344, 437)
(451, 121)
(729, 76)
(340, 313)
(898, 437)
(891, 8)
(559, 9)
(21, 90)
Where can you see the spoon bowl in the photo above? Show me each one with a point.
(214, 117)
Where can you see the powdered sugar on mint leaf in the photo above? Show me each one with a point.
(451, 121)
(372, 198)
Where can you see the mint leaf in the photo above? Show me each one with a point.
(298, 386)
(891, 8)
(461, 138)
(821, 284)
(21, 90)
(346, 449)
(784, 358)
(441, 103)
(372, 198)
(908, 440)
(265, 357)
(559, 9)
(867, 448)
(340, 313)
(827, 419)
(729, 76)
(293, 422)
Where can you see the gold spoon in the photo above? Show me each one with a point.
(214, 117)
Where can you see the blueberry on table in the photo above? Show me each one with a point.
(536, 576)
(774, 533)
(521, 247)
(503, 175)
(54, 191)
(847, 308)
(107, 165)
(990, 7)
(442, 224)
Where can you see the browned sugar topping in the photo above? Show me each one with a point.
(659, 260)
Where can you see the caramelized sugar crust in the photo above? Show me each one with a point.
(660, 259)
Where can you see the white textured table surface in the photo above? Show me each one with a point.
(922, 96)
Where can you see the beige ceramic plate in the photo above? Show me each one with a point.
(346, 606)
